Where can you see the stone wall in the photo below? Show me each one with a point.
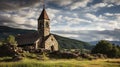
(51, 44)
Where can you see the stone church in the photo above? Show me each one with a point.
(42, 38)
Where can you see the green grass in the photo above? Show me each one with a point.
(5, 58)
(62, 63)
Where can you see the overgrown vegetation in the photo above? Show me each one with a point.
(11, 40)
(62, 63)
(105, 47)
(8, 47)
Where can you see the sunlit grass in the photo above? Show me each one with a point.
(63, 63)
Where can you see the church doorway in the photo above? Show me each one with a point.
(52, 48)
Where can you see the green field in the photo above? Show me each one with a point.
(63, 63)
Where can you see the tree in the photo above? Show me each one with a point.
(119, 50)
(9, 47)
(11, 40)
(103, 47)
(114, 52)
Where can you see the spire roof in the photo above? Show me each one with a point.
(43, 15)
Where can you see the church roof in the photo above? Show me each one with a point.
(43, 15)
(28, 39)
(25, 39)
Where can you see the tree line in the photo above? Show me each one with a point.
(107, 48)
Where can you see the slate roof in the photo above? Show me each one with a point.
(28, 39)
(43, 15)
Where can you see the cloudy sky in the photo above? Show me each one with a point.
(86, 20)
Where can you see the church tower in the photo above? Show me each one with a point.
(44, 24)
(46, 40)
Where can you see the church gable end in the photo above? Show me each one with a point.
(51, 43)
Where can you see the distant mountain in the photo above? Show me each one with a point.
(6, 31)
(93, 42)
(113, 42)
(64, 42)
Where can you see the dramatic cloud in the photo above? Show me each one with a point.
(62, 2)
(92, 35)
(15, 4)
(116, 2)
(80, 3)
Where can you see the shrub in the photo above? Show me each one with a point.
(43, 56)
(63, 55)
(105, 47)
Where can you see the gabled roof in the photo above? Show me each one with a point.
(43, 15)
(28, 39)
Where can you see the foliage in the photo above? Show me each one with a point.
(29, 55)
(61, 63)
(1, 43)
(105, 47)
(43, 56)
(114, 52)
(11, 40)
(102, 47)
(8, 46)
(5, 58)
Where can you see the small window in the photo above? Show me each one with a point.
(47, 24)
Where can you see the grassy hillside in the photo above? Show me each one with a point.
(72, 43)
(6, 31)
(64, 42)
(62, 63)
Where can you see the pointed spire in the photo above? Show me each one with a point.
(43, 14)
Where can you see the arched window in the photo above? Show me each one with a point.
(52, 48)
(47, 24)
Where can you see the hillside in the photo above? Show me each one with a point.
(6, 31)
(72, 43)
(64, 42)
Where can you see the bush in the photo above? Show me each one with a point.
(1, 43)
(11, 40)
(114, 52)
(43, 56)
(102, 47)
(63, 55)
(105, 47)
